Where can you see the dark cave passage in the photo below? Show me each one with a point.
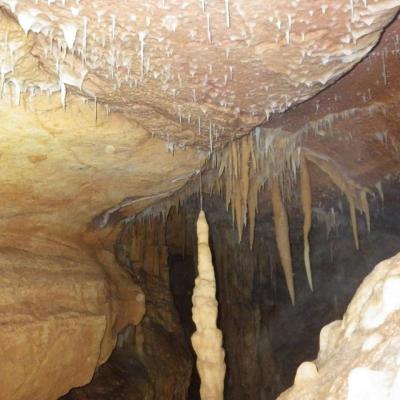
(182, 275)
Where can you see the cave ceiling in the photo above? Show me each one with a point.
(104, 102)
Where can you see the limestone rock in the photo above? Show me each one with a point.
(59, 316)
(359, 356)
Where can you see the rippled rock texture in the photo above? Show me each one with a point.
(60, 314)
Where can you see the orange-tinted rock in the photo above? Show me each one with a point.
(59, 316)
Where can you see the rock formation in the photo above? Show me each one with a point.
(358, 356)
(207, 340)
(60, 315)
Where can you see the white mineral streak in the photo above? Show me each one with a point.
(359, 356)
(207, 340)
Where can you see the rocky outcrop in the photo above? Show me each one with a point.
(358, 356)
(59, 316)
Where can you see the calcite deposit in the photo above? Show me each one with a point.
(359, 355)
(207, 339)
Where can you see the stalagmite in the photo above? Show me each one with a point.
(207, 340)
(305, 189)
(282, 237)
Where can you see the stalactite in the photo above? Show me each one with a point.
(252, 207)
(353, 220)
(244, 179)
(228, 180)
(305, 188)
(253, 154)
(238, 210)
(239, 185)
(235, 163)
(365, 209)
(353, 192)
(282, 237)
(253, 159)
(207, 340)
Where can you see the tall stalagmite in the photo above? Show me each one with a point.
(207, 340)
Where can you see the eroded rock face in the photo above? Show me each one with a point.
(359, 356)
(59, 317)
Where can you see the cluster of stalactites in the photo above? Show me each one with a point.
(273, 159)
(356, 194)
(246, 165)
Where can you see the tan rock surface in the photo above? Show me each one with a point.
(359, 356)
(59, 316)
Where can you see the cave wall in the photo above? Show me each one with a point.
(151, 360)
(78, 154)
(57, 298)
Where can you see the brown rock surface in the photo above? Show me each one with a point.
(58, 318)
